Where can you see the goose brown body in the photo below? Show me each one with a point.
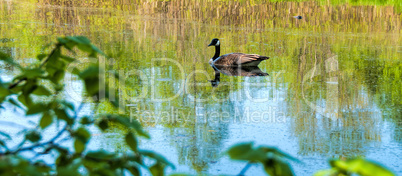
(234, 59)
(239, 59)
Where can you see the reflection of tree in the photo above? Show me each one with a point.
(202, 143)
(382, 81)
(339, 118)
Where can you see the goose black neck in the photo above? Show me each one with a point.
(217, 52)
(217, 75)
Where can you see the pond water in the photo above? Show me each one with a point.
(333, 88)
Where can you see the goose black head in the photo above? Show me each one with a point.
(214, 83)
(214, 42)
(298, 17)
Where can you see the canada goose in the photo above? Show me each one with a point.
(298, 17)
(234, 59)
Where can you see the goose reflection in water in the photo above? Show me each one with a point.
(235, 71)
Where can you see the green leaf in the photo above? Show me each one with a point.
(75, 71)
(82, 137)
(94, 48)
(85, 47)
(15, 102)
(103, 124)
(4, 91)
(70, 168)
(79, 146)
(92, 164)
(91, 80)
(86, 120)
(277, 167)
(53, 60)
(67, 104)
(134, 170)
(33, 136)
(82, 134)
(67, 58)
(277, 152)
(157, 157)
(41, 56)
(63, 115)
(361, 167)
(57, 76)
(157, 169)
(41, 167)
(93, 55)
(41, 90)
(90, 72)
(236, 152)
(29, 86)
(62, 40)
(92, 86)
(46, 120)
(131, 123)
(24, 167)
(100, 155)
(79, 39)
(7, 58)
(132, 141)
(50, 71)
(26, 100)
(33, 73)
(327, 172)
(245, 151)
(83, 43)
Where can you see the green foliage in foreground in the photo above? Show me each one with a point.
(355, 166)
(37, 91)
(271, 158)
(275, 164)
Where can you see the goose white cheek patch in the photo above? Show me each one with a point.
(217, 43)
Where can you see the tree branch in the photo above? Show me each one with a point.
(51, 141)
(41, 65)
(244, 170)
